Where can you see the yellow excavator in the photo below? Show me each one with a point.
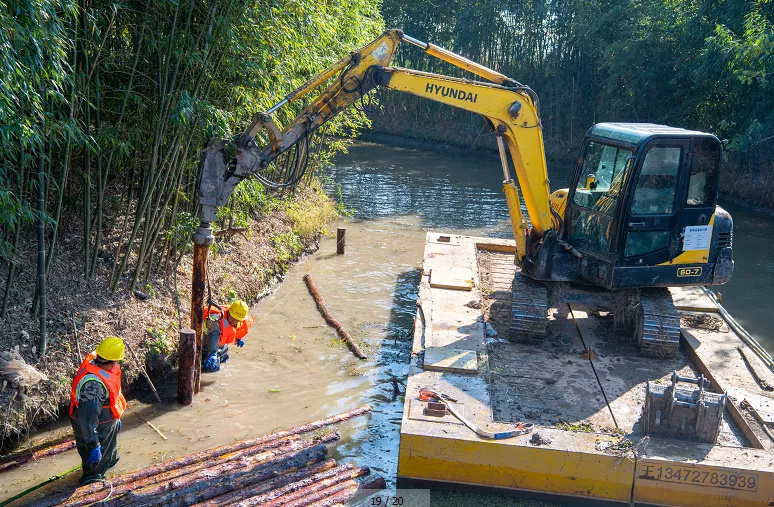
(640, 214)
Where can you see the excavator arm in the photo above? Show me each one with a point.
(509, 107)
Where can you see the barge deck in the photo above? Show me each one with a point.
(583, 387)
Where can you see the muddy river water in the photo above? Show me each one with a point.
(293, 369)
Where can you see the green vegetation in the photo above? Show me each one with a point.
(582, 426)
(312, 219)
(105, 105)
(695, 64)
(160, 342)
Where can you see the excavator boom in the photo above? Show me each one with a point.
(510, 108)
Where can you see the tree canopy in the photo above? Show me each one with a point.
(107, 103)
(702, 64)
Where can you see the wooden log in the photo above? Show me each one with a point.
(215, 452)
(342, 493)
(319, 497)
(304, 488)
(198, 278)
(186, 367)
(124, 486)
(274, 488)
(234, 474)
(341, 236)
(229, 494)
(254, 457)
(142, 370)
(140, 478)
(19, 460)
(323, 308)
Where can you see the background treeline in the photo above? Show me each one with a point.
(104, 106)
(703, 64)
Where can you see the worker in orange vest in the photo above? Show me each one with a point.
(224, 326)
(96, 406)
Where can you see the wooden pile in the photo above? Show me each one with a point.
(278, 469)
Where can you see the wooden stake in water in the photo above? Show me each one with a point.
(341, 234)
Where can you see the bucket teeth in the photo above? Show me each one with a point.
(529, 309)
(660, 333)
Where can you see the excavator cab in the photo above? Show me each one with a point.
(642, 208)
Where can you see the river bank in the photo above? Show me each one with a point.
(246, 262)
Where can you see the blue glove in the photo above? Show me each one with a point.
(212, 364)
(95, 456)
(119, 426)
(240, 342)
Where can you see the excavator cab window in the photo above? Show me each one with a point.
(595, 206)
(601, 165)
(657, 181)
(704, 169)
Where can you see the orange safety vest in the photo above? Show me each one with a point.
(110, 379)
(228, 333)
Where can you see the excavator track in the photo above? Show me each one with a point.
(529, 308)
(657, 324)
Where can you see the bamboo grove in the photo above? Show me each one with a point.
(105, 105)
(704, 64)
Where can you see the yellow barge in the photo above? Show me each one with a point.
(583, 386)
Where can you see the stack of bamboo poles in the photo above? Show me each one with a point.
(277, 469)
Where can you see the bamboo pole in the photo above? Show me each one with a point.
(43, 341)
(77, 342)
(269, 441)
(144, 373)
(306, 487)
(323, 308)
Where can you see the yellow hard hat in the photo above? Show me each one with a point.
(238, 310)
(111, 349)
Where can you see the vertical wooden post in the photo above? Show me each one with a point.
(197, 306)
(202, 239)
(341, 233)
(186, 368)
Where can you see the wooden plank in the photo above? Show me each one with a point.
(452, 278)
(761, 404)
(451, 359)
(692, 299)
(696, 351)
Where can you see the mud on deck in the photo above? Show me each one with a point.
(551, 382)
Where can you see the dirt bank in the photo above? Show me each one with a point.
(246, 264)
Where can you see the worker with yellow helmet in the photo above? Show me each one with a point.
(224, 326)
(96, 406)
